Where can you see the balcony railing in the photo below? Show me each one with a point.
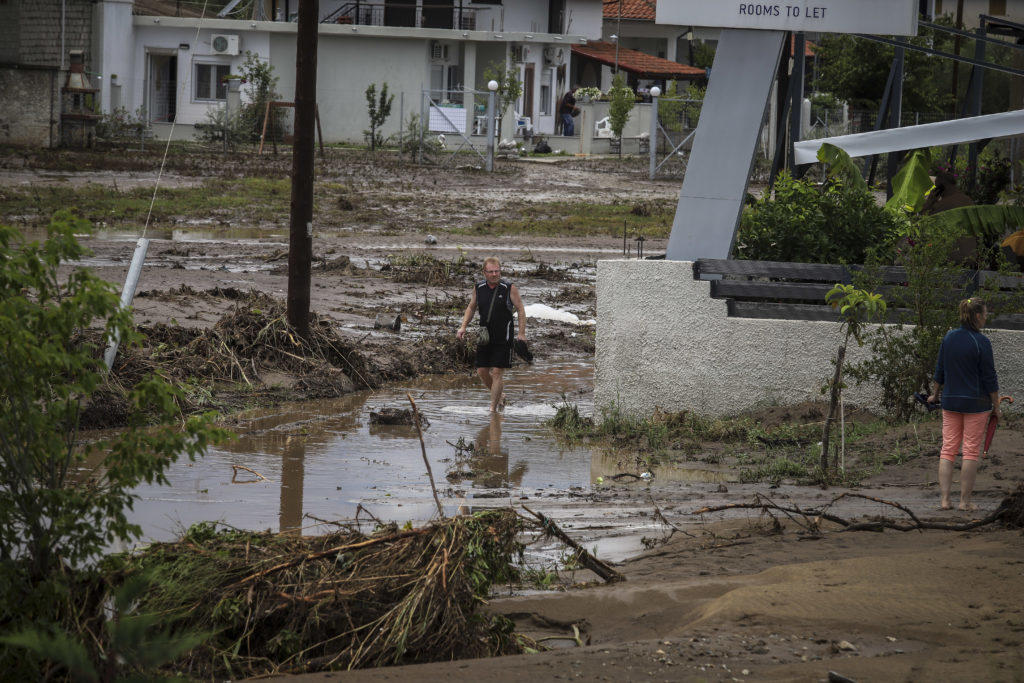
(427, 15)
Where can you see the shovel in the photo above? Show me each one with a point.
(992, 424)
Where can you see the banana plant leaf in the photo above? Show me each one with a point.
(911, 184)
(841, 165)
(987, 221)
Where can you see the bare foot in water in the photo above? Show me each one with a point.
(967, 507)
(945, 505)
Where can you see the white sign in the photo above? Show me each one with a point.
(447, 119)
(888, 17)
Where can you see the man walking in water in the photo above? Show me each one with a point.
(496, 299)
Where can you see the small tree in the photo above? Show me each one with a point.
(856, 307)
(510, 88)
(379, 109)
(260, 83)
(622, 99)
(62, 501)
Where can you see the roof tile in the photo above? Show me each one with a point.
(631, 9)
(636, 62)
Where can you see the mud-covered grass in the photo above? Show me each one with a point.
(651, 218)
(770, 446)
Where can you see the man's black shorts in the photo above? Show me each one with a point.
(494, 356)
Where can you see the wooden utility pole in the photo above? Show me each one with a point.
(300, 241)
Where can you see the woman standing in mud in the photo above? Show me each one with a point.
(496, 299)
(965, 379)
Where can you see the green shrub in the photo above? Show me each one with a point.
(904, 354)
(801, 222)
(64, 499)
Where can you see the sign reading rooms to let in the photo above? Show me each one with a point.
(888, 17)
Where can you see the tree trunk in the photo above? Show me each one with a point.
(833, 403)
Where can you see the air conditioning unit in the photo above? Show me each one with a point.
(520, 53)
(553, 55)
(443, 53)
(224, 44)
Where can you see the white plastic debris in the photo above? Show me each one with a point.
(545, 312)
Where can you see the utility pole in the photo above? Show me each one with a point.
(300, 240)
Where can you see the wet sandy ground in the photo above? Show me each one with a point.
(735, 601)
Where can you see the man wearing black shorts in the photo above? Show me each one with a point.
(497, 300)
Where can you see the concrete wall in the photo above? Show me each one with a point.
(113, 38)
(30, 108)
(584, 17)
(663, 341)
(346, 65)
(35, 38)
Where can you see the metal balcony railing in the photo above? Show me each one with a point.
(427, 15)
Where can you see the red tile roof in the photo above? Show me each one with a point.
(636, 62)
(631, 9)
(808, 46)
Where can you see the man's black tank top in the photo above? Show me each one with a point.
(500, 327)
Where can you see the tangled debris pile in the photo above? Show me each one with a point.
(426, 269)
(255, 338)
(280, 603)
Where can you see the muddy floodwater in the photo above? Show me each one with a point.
(322, 459)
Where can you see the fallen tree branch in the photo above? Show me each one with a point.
(426, 461)
(595, 565)
(324, 553)
(1009, 511)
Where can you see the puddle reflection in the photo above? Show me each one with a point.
(322, 459)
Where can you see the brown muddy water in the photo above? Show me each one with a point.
(321, 460)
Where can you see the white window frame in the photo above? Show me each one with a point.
(547, 78)
(213, 65)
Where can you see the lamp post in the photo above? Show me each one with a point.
(653, 139)
(615, 39)
(492, 86)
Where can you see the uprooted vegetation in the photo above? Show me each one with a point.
(253, 339)
(427, 269)
(280, 603)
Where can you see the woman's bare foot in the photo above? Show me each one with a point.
(967, 507)
(945, 505)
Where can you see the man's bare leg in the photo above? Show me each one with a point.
(968, 473)
(945, 482)
(497, 385)
(485, 375)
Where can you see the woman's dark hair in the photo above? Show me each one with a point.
(970, 309)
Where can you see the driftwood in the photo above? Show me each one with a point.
(423, 447)
(595, 565)
(1009, 512)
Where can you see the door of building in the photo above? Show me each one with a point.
(161, 95)
(528, 91)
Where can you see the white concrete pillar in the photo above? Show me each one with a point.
(469, 84)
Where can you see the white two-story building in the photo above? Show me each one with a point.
(172, 66)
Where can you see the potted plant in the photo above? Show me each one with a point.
(587, 93)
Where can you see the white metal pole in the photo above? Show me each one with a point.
(128, 294)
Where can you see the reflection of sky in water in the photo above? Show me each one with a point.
(323, 458)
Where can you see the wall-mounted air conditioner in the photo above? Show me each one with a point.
(553, 56)
(224, 44)
(443, 53)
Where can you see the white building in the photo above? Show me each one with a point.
(172, 66)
